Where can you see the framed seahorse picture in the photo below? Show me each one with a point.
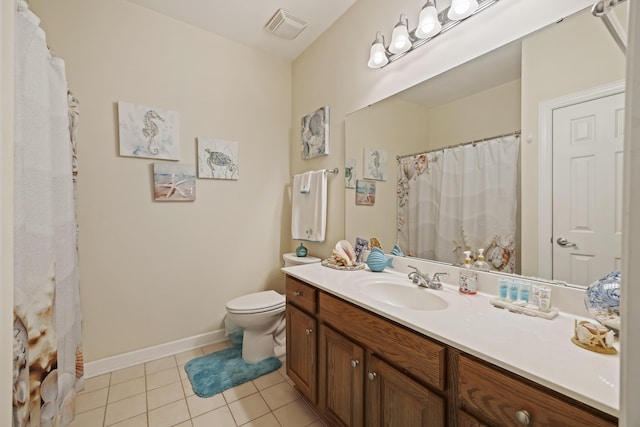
(148, 132)
(217, 158)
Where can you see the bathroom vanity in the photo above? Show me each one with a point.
(362, 357)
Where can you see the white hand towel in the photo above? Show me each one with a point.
(309, 210)
(305, 184)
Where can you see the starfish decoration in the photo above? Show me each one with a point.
(173, 186)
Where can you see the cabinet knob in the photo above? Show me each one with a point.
(372, 376)
(355, 363)
(523, 417)
(297, 293)
(309, 331)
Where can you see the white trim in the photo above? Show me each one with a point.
(545, 165)
(124, 360)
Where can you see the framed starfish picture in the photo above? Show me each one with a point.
(217, 158)
(174, 182)
(148, 132)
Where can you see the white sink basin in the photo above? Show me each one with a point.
(402, 294)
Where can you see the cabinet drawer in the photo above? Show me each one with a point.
(498, 397)
(301, 294)
(408, 351)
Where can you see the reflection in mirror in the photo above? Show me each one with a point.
(498, 93)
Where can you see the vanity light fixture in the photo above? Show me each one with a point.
(431, 23)
(378, 57)
(428, 24)
(400, 39)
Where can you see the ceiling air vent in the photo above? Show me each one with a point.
(285, 24)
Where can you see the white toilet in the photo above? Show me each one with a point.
(292, 259)
(262, 316)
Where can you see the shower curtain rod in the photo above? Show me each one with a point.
(477, 141)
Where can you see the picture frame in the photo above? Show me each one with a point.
(218, 159)
(365, 192)
(375, 163)
(174, 182)
(315, 134)
(148, 132)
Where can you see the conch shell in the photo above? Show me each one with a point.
(343, 253)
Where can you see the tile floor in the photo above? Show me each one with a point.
(159, 394)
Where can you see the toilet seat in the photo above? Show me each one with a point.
(258, 302)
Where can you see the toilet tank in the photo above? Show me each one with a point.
(292, 259)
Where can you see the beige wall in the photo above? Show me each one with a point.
(575, 55)
(398, 127)
(156, 272)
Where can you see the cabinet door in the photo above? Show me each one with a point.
(395, 400)
(341, 379)
(301, 351)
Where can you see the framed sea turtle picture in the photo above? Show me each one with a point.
(148, 132)
(217, 158)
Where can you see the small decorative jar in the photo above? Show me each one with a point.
(301, 251)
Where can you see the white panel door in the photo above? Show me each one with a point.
(587, 189)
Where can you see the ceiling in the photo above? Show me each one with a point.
(244, 20)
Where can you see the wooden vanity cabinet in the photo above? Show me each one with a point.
(341, 388)
(500, 398)
(359, 369)
(302, 337)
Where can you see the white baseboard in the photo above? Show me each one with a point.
(124, 360)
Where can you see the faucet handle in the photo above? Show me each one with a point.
(416, 269)
(436, 277)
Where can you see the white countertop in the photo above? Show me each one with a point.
(535, 348)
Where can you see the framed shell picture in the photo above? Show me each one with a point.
(148, 132)
(217, 159)
(174, 182)
(315, 134)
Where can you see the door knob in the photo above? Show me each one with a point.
(565, 243)
(297, 293)
(355, 363)
(372, 376)
(309, 331)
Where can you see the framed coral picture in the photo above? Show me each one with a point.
(148, 132)
(315, 134)
(217, 159)
(350, 175)
(365, 192)
(375, 163)
(174, 182)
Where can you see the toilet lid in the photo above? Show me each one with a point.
(257, 302)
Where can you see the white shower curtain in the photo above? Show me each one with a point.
(458, 199)
(48, 366)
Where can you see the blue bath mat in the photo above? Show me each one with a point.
(224, 369)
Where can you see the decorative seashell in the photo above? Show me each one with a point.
(378, 261)
(49, 387)
(594, 335)
(79, 362)
(375, 243)
(344, 254)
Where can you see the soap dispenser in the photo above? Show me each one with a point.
(481, 264)
(468, 279)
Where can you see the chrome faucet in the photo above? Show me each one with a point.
(419, 278)
(423, 279)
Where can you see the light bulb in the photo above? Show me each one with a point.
(378, 56)
(461, 9)
(400, 41)
(428, 24)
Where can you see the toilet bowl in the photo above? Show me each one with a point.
(261, 315)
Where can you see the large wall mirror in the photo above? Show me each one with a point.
(524, 86)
